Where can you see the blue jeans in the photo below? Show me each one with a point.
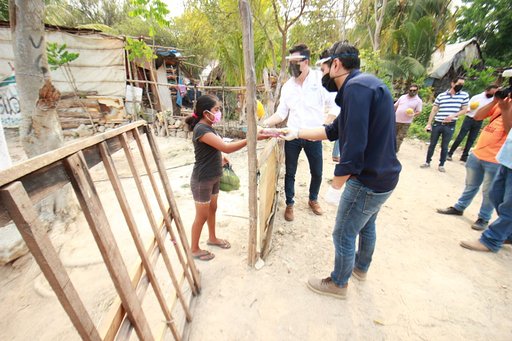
(471, 126)
(446, 132)
(478, 172)
(501, 196)
(313, 150)
(336, 149)
(357, 212)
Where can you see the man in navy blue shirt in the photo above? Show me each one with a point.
(368, 165)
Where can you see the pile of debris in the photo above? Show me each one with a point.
(84, 116)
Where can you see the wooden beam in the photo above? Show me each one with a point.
(41, 182)
(132, 226)
(23, 213)
(96, 217)
(19, 170)
(116, 314)
(174, 207)
(163, 208)
(152, 223)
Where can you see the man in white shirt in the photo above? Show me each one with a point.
(303, 101)
(470, 125)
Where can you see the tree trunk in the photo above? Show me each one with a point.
(379, 20)
(40, 129)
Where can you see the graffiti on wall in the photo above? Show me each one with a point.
(9, 103)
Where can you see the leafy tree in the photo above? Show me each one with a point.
(411, 31)
(490, 21)
(319, 27)
(477, 80)
(4, 10)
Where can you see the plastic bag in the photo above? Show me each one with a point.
(229, 181)
(333, 196)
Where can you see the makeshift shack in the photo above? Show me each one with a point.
(448, 62)
(99, 71)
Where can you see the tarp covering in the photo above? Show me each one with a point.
(453, 55)
(100, 66)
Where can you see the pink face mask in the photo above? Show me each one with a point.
(216, 116)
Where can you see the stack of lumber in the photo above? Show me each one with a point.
(102, 110)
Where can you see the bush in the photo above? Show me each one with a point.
(417, 128)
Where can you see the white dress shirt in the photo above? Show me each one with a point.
(482, 100)
(305, 105)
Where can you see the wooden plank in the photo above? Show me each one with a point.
(26, 219)
(98, 223)
(132, 226)
(267, 151)
(250, 81)
(163, 208)
(19, 170)
(152, 222)
(174, 207)
(115, 316)
(51, 178)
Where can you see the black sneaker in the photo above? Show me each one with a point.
(480, 224)
(450, 211)
(463, 158)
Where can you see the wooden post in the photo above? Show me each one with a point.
(21, 210)
(250, 81)
(85, 191)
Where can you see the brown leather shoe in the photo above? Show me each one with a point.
(474, 245)
(288, 213)
(315, 207)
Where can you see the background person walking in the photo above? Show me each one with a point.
(407, 108)
(447, 107)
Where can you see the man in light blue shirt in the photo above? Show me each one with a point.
(500, 231)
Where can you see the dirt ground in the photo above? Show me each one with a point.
(421, 286)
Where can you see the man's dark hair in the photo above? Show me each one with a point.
(302, 48)
(492, 86)
(414, 86)
(347, 54)
(456, 79)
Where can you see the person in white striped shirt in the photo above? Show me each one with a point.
(447, 107)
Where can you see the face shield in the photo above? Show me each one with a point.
(294, 63)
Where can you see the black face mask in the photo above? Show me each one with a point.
(458, 87)
(329, 84)
(294, 70)
(489, 95)
(413, 93)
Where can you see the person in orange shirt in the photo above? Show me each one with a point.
(482, 166)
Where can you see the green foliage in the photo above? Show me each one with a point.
(152, 11)
(411, 32)
(371, 63)
(417, 128)
(138, 49)
(478, 80)
(72, 13)
(59, 56)
(319, 27)
(490, 21)
(4, 10)
(426, 93)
